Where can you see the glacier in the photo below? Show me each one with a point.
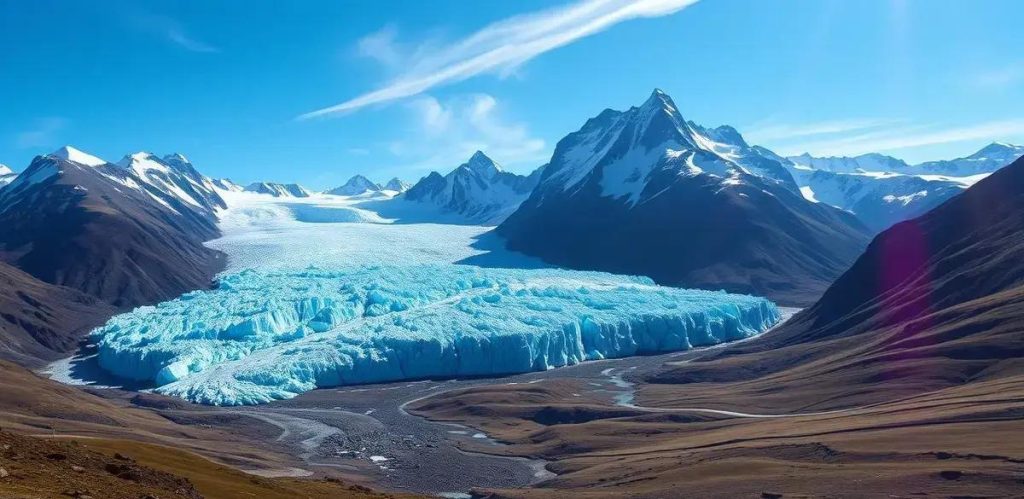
(264, 335)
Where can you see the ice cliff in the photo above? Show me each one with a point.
(263, 336)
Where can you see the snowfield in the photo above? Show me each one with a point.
(271, 335)
(262, 232)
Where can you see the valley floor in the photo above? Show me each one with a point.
(956, 442)
(375, 434)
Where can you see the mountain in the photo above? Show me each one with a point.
(871, 162)
(226, 184)
(906, 378)
(356, 185)
(7, 175)
(934, 302)
(879, 199)
(882, 190)
(278, 190)
(106, 230)
(39, 322)
(644, 191)
(174, 175)
(478, 190)
(989, 159)
(73, 155)
(396, 185)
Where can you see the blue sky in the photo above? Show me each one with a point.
(246, 88)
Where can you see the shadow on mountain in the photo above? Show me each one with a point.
(400, 211)
(497, 255)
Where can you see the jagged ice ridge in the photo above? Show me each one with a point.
(262, 336)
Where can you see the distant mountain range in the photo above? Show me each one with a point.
(478, 190)
(644, 191)
(278, 190)
(987, 160)
(641, 191)
(882, 190)
(359, 184)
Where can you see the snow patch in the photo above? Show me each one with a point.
(76, 156)
(808, 193)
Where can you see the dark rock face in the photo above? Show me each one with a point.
(934, 302)
(646, 192)
(968, 248)
(105, 231)
(40, 321)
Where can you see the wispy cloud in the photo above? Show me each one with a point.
(780, 131)
(500, 47)
(169, 29)
(381, 46)
(42, 134)
(442, 135)
(186, 41)
(998, 78)
(905, 137)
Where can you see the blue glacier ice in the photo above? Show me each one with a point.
(269, 335)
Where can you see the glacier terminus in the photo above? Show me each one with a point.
(265, 335)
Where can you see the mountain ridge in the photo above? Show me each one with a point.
(478, 190)
(105, 231)
(719, 211)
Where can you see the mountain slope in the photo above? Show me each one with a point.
(478, 190)
(646, 192)
(934, 302)
(987, 160)
(397, 185)
(40, 321)
(278, 190)
(105, 231)
(226, 184)
(871, 162)
(6, 175)
(906, 378)
(879, 199)
(175, 175)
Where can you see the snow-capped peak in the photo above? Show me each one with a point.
(660, 100)
(4, 170)
(397, 185)
(141, 161)
(482, 165)
(76, 156)
(358, 184)
(997, 149)
(176, 158)
(622, 150)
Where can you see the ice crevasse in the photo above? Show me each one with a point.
(261, 336)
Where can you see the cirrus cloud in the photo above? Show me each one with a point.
(500, 47)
